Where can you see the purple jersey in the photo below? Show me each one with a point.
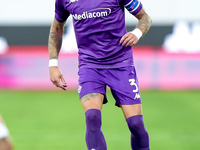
(99, 26)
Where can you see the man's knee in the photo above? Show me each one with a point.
(136, 125)
(93, 119)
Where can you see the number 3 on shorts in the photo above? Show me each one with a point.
(132, 83)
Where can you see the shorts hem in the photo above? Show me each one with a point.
(118, 104)
(105, 98)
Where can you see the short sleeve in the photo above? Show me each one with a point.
(61, 14)
(133, 6)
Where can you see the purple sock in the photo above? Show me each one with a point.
(139, 134)
(94, 136)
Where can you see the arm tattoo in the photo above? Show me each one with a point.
(144, 21)
(88, 97)
(54, 44)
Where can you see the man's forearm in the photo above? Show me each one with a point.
(145, 21)
(55, 42)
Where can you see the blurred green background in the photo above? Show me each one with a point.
(51, 120)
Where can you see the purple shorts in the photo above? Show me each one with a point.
(122, 82)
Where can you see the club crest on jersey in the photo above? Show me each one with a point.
(79, 89)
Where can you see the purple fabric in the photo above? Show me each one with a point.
(94, 136)
(99, 26)
(139, 134)
(122, 81)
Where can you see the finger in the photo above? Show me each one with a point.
(128, 41)
(124, 43)
(123, 38)
(64, 83)
(58, 84)
(63, 80)
(62, 86)
(133, 40)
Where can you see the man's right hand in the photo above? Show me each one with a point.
(57, 78)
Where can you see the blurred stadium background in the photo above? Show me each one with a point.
(167, 60)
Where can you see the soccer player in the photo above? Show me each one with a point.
(5, 143)
(105, 59)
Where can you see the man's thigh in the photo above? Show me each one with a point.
(91, 89)
(131, 110)
(92, 101)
